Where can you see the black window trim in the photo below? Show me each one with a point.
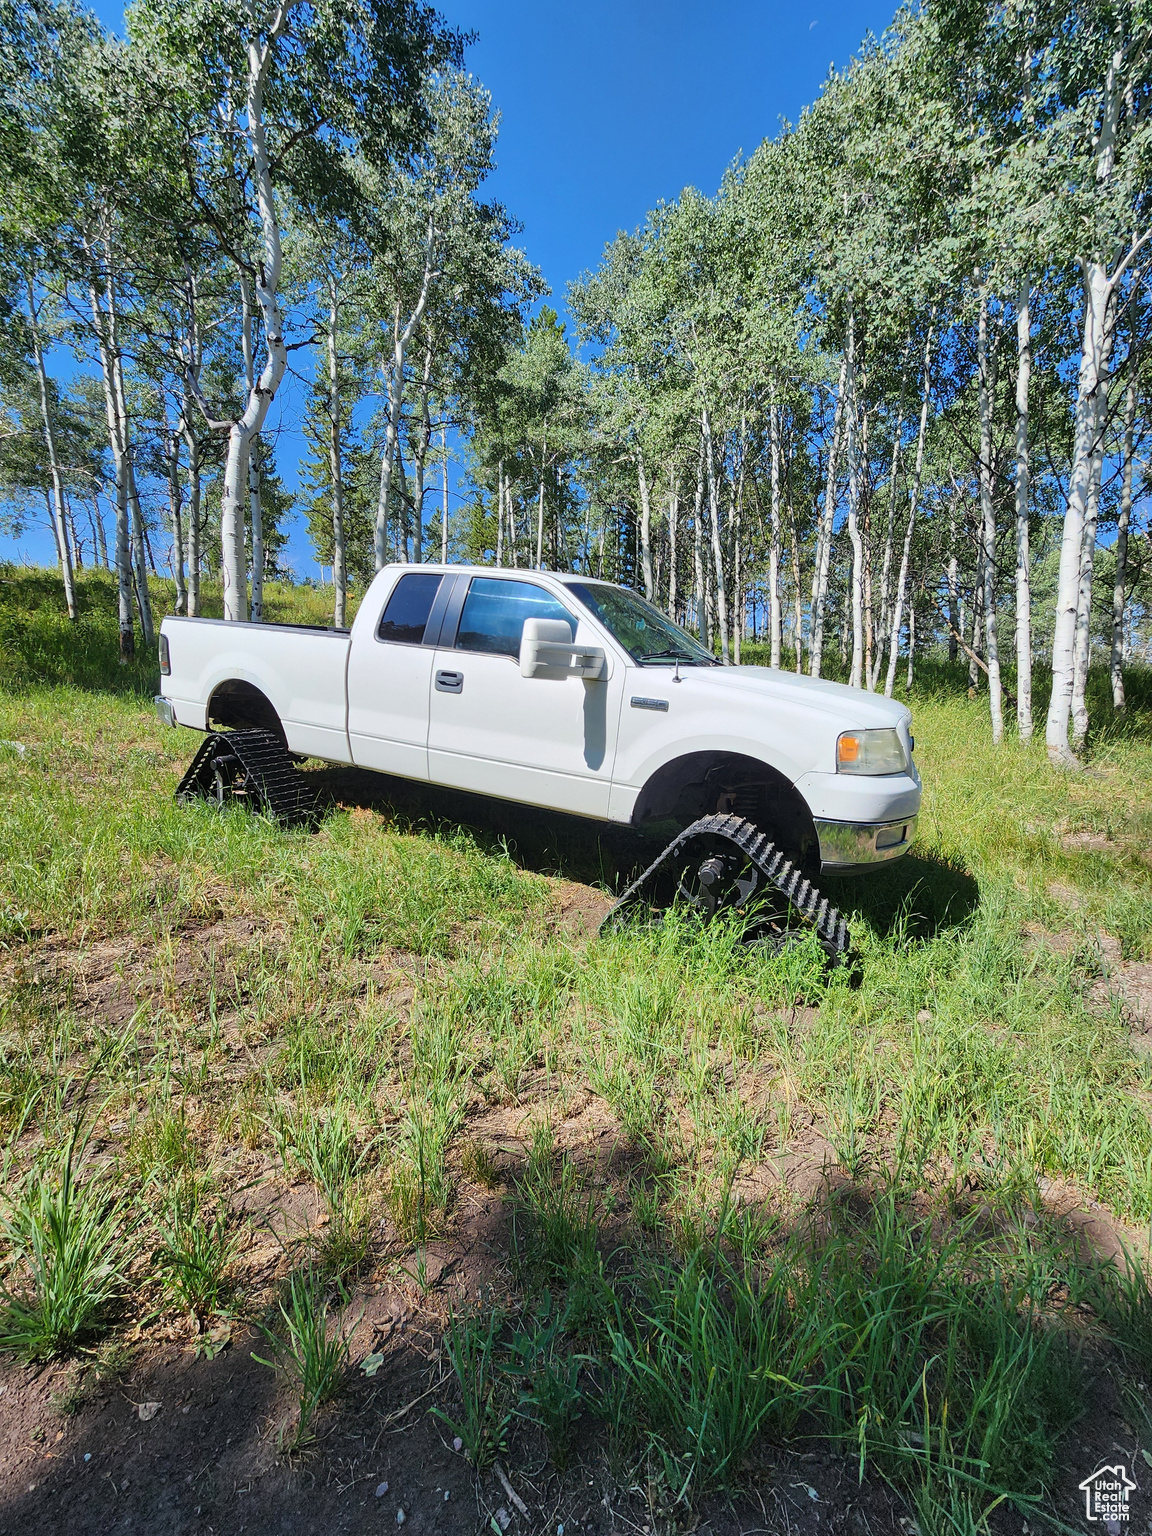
(435, 613)
(450, 630)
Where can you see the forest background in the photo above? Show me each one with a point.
(885, 391)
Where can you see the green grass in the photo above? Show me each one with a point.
(309, 1348)
(355, 1005)
(69, 1253)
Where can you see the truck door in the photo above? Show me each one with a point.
(390, 676)
(542, 740)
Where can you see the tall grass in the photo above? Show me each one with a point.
(68, 1259)
(309, 1347)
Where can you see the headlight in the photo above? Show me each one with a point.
(872, 752)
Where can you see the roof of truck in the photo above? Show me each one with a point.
(437, 566)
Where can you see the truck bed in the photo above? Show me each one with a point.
(301, 670)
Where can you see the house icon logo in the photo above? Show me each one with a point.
(1106, 1493)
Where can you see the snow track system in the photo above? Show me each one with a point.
(718, 864)
(724, 863)
(253, 767)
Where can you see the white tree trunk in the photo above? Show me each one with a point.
(139, 547)
(1083, 645)
(774, 615)
(336, 460)
(698, 545)
(737, 516)
(105, 341)
(714, 521)
(540, 502)
(267, 294)
(256, 519)
(645, 526)
(500, 515)
(866, 573)
(886, 566)
(1119, 586)
(444, 498)
(1023, 494)
(420, 456)
(176, 520)
(988, 522)
(255, 510)
(856, 674)
(1092, 382)
(955, 612)
(905, 554)
(137, 557)
(193, 446)
(673, 522)
(61, 531)
(192, 361)
(97, 518)
(797, 595)
(1092, 386)
(824, 535)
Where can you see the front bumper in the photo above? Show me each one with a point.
(848, 847)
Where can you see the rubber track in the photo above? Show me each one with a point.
(282, 789)
(763, 853)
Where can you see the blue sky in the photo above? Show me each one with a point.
(607, 108)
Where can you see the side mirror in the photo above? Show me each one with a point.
(547, 650)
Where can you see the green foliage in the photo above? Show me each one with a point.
(548, 1370)
(195, 1250)
(69, 1256)
(323, 1145)
(709, 1361)
(471, 1345)
(309, 1348)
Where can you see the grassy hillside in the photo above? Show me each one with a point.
(669, 1227)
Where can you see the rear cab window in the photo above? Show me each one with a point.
(409, 604)
(492, 619)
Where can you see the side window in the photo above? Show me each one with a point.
(409, 604)
(494, 612)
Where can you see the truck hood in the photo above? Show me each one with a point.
(850, 706)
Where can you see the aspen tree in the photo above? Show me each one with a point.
(1023, 488)
(1119, 585)
(774, 615)
(1103, 264)
(59, 510)
(988, 520)
(913, 500)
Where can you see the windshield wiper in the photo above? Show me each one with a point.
(669, 655)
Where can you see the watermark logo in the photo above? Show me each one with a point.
(1106, 1493)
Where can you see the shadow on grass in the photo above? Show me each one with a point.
(917, 896)
(544, 842)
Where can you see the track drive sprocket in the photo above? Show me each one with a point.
(724, 863)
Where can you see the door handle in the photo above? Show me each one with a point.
(449, 682)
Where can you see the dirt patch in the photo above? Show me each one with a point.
(110, 979)
(579, 909)
(206, 1460)
(1066, 895)
(1089, 842)
(1097, 1232)
(1130, 981)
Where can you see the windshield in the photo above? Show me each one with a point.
(649, 636)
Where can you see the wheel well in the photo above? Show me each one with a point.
(704, 783)
(241, 705)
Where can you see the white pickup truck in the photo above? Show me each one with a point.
(563, 692)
